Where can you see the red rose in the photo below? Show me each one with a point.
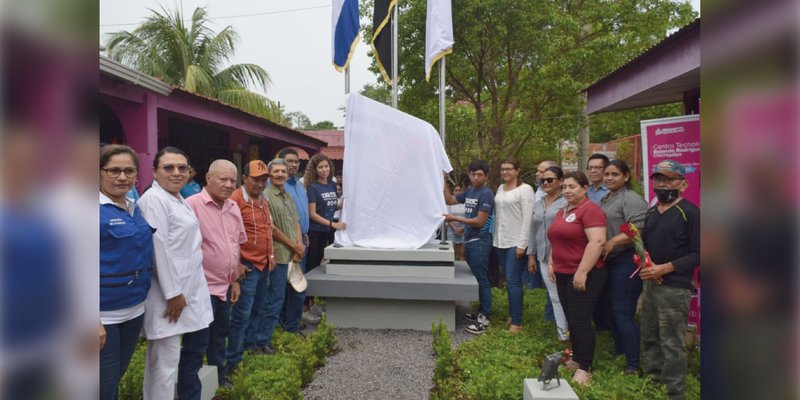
(626, 229)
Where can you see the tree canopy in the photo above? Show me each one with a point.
(195, 58)
(514, 79)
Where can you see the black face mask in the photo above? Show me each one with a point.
(666, 196)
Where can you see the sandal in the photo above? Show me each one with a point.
(572, 365)
(582, 377)
(515, 328)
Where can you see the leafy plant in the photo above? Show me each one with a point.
(279, 376)
(131, 384)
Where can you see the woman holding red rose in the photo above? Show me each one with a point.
(576, 238)
(622, 206)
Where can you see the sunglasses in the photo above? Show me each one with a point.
(547, 180)
(170, 168)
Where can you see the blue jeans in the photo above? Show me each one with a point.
(293, 305)
(276, 293)
(531, 280)
(116, 355)
(477, 253)
(218, 332)
(248, 315)
(193, 347)
(513, 268)
(623, 294)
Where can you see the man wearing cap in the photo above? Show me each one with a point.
(249, 314)
(671, 235)
(222, 230)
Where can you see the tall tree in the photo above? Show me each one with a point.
(297, 120)
(196, 58)
(520, 65)
(322, 126)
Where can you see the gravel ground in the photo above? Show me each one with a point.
(381, 364)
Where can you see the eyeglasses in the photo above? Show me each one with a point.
(292, 161)
(507, 169)
(170, 168)
(114, 172)
(547, 180)
(664, 179)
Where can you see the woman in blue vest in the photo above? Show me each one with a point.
(126, 258)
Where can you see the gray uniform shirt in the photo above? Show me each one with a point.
(540, 222)
(621, 207)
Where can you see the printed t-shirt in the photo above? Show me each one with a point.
(475, 200)
(324, 198)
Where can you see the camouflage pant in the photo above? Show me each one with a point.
(665, 312)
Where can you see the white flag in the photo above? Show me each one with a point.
(438, 33)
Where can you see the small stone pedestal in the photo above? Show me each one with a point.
(532, 390)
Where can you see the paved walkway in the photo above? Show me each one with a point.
(380, 364)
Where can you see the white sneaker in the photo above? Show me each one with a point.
(480, 326)
(310, 318)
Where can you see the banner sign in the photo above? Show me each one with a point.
(678, 139)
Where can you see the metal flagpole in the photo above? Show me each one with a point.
(442, 122)
(395, 15)
(441, 100)
(347, 80)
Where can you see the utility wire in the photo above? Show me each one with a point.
(240, 15)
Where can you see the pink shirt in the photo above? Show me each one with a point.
(222, 230)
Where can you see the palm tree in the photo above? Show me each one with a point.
(195, 58)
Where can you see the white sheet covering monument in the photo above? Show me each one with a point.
(393, 164)
(385, 272)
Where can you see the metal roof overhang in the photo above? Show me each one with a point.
(660, 75)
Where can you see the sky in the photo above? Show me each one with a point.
(291, 39)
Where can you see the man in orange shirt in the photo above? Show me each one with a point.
(248, 316)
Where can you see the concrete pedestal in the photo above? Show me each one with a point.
(389, 314)
(532, 390)
(392, 289)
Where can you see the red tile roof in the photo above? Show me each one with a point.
(332, 137)
(335, 139)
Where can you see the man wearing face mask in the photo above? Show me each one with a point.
(671, 235)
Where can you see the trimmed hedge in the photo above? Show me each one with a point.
(494, 365)
(279, 376)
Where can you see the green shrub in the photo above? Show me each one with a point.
(265, 377)
(442, 347)
(132, 383)
(446, 387)
(323, 340)
(279, 376)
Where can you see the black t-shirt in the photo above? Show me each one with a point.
(674, 236)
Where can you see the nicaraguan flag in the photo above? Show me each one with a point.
(345, 32)
(438, 33)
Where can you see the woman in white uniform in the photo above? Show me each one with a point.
(178, 303)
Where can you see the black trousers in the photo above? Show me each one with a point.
(579, 309)
(317, 241)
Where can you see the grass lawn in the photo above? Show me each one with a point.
(494, 365)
